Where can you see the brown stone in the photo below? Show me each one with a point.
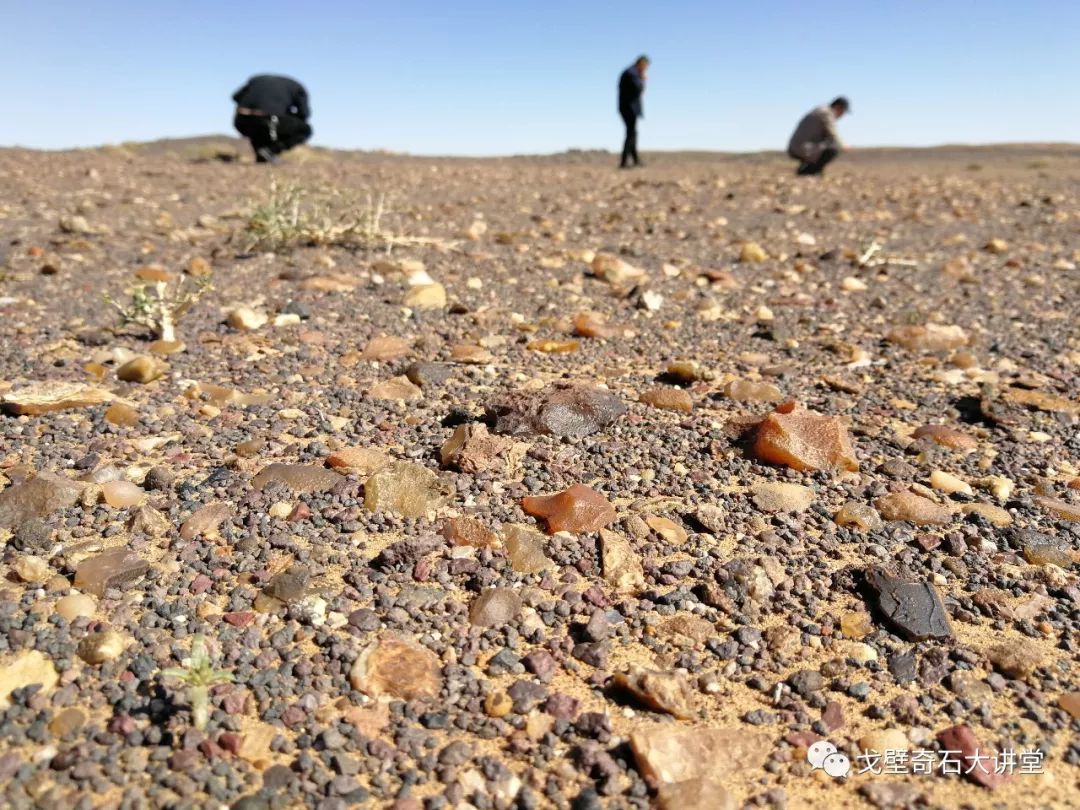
(1017, 659)
(804, 440)
(778, 496)
(395, 667)
(593, 325)
(408, 489)
(467, 531)
(668, 399)
(362, 460)
(297, 477)
(525, 549)
(472, 449)
(495, 607)
(386, 348)
(931, 338)
(667, 692)
(1063, 509)
(946, 437)
(110, 569)
(121, 415)
(554, 346)
(205, 520)
(35, 498)
(977, 761)
(398, 389)
(748, 391)
(142, 369)
(576, 509)
(913, 508)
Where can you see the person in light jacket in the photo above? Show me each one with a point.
(816, 142)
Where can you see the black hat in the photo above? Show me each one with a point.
(842, 103)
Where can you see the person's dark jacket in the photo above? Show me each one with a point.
(630, 89)
(274, 95)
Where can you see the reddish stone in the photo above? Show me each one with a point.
(978, 762)
(300, 512)
(201, 583)
(210, 749)
(242, 619)
(804, 440)
(230, 742)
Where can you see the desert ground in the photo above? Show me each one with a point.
(369, 480)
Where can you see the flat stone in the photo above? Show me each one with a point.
(467, 531)
(386, 348)
(122, 494)
(667, 753)
(892, 795)
(914, 609)
(776, 496)
(395, 667)
(860, 515)
(1070, 702)
(667, 692)
(407, 489)
(978, 762)
(913, 508)
(889, 739)
(576, 509)
(36, 498)
(297, 477)
(429, 374)
(495, 607)
(946, 437)
(695, 794)
(46, 397)
(75, 605)
(615, 271)
(1063, 509)
(749, 391)
(110, 569)
(567, 411)
(290, 585)
(667, 528)
(23, 670)
(397, 389)
(425, 296)
(622, 565)
(804, 440)
(525, 548)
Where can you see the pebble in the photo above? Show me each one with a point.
(804, 440)
(576, 509)
(914, 609)
(906, 505)
(142, 369)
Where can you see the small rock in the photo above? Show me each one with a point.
(75, 605)
(752, 253)
(495, 607)
(122, 494)
(32, 569)
(46, 397)
(890, 739)
(407, 489)
(397, 668)
(748, 391)
(668, 399)
(525, 549)
(35, 498)
(977, 762)
(100, 648)
(775, 496)
(622, 566)
(142, 369)
(946, 437)
(246, 319)
(398, 389)
(110, 569)
(205, 520)
(695, 794)
(1017, 659)
(300, 478)
(667, 692)
(25, 669)
(913, 608)
(565, 411)
(577, 509)
(804, 440)
(473, 450)
(291, 585)
(425, 296)
(666, 753)
(913, 508)
(860, 515)
(931, 338)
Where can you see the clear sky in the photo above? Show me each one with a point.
(520, 76)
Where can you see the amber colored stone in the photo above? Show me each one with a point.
(554, 346)
(858, 514)
(576, 509)
(946, 437)
(142, 369)
(913, 508)
(929, 338)
(667, 692)
(121, 415)
(408, 489)
(1070, 702)
(154, 274)
(164, 348)
(856, 625)
(398, 389)
(804, 440)
(470, 354)
(593, 325)
(110, 569)
(46, 397)
(467, 531)
(749, 391)
(667, 528)
(364, 460)
(668, 399)
(121, 494)
(525, 549)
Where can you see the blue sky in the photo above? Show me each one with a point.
(505, 76)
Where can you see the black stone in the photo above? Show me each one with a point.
(914, 609)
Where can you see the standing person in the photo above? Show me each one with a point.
(272, 113)
(631, 86)
(815, 142)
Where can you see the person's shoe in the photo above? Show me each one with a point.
(264, 155)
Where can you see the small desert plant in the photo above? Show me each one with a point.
(159, 307)
(291, 216)
(199, 674)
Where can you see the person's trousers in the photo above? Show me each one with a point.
(629, 149)
(274, 136)
(816, 166)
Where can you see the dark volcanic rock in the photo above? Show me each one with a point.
(914, 609)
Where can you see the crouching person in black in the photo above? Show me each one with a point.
(272, 113)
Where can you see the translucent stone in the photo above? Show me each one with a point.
(856, 625)
(363, 460)
(748, 391)
(752, 253)
(32, 569)
(525, 548)
(857, 514)
(102, 647)
(75, 605)
(142, 369)
(398, 389)
(110, 569)
(397, 668)
(122, 415)
(122, 494)
(467, 531)
(804, 440)
(593, 325)
(297, 477)
(929, 338)
(576, 509)
(554, 346)
(408, 489)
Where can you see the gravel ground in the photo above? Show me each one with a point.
(301, 554)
